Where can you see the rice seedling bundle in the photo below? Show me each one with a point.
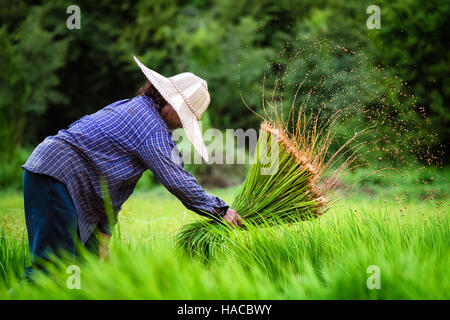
(298, 188)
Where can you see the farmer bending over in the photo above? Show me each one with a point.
(76, 182)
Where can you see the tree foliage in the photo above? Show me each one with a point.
(51, 76)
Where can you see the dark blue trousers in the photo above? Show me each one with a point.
(51, 221)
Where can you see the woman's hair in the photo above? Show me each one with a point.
(150, 91)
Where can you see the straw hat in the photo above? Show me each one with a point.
(189, 96)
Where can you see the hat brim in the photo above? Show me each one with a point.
(174, 98)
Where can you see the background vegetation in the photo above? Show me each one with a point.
(50, 76)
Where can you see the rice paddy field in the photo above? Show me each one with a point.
(389, 238)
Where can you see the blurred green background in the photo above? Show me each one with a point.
(51, 76)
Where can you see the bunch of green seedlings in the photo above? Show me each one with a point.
(297, 185)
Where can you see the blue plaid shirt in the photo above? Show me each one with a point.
(112, 148)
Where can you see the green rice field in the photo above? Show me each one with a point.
(387, 239)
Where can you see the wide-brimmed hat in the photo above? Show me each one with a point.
(188, 95)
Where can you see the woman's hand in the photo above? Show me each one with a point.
(232, 218)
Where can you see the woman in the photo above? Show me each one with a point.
(76, 181)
